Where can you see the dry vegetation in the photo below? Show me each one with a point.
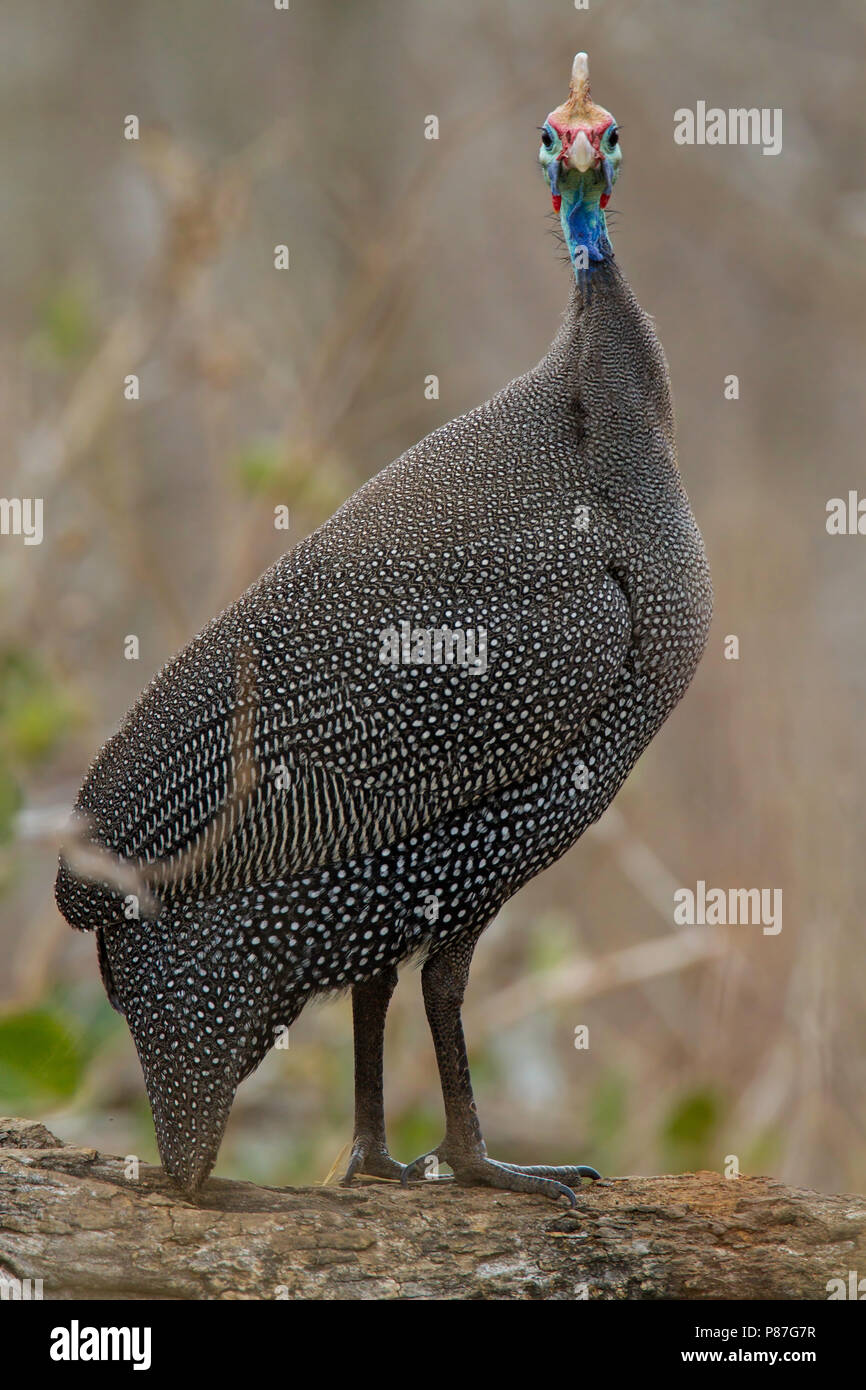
(411, 257)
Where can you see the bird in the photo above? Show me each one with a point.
(417, 709)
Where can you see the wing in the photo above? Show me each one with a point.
(446, 633)
(329, 712)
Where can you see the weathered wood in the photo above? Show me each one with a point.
(69, 1217)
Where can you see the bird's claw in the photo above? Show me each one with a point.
(370, 1158)
(425, 1168)
(477, 1170)
(566, 1174)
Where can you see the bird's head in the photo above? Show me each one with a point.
(580, 154)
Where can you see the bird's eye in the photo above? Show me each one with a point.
(613, 138)
(546, 139)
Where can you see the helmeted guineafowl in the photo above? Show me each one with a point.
(411, 714)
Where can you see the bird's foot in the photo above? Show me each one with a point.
(370, 1157)
(475, 1169)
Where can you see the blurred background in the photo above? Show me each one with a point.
(411, 257)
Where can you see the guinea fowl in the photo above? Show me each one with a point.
(416, 710)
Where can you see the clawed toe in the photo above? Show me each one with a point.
(425, 1169)
(568, 1175)
(476, 1170)
(487, 1172)
(371, 1161)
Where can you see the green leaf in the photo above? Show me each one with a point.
(10, 802)
(65, 328)
(35, 710)
(608, 1110)
(415, 1131)
(551, 942)
(37, 725)
(260, 467)
(690, 1127)
(39, 1058)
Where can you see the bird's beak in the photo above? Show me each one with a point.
(582, 156)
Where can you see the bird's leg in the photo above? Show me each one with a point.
(369, 1155)
(444, 983)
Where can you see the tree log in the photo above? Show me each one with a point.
(70, 1217)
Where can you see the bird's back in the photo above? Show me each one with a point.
(297, 729)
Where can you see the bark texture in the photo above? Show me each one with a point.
(69, 1217)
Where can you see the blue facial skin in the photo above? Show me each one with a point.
(584, 225)
(581, 214)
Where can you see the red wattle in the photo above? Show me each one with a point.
(557, 201)
(605, 199)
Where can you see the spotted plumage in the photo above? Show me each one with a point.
(304, 814)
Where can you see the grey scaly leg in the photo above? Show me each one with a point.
(369, 1155)
(444, 983)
